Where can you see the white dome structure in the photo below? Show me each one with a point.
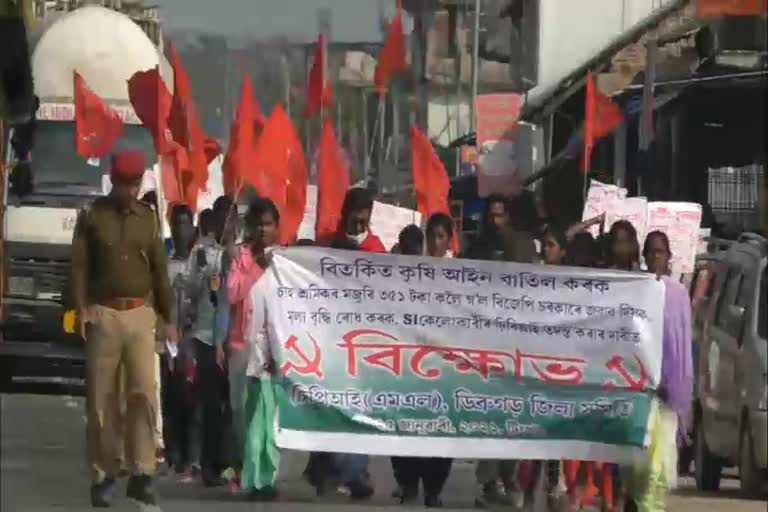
(104, 46)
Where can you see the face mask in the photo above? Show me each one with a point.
(358, 239)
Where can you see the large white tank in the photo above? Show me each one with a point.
(104, 46)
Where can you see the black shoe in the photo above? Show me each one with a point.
(360, 490)
(433, 501)
(408, 496)
(211, 479)
(101, 493)
(140, 489)
(268, 493)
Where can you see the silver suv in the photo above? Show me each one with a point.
(731, 416)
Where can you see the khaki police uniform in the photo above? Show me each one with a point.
(125, 267)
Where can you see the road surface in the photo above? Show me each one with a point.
(43, 470)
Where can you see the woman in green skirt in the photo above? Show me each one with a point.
(261, 457)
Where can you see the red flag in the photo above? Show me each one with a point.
(279, 171)
(319, 92)
(333, 182)
(184, 125)
(601, 117)
(171, 163)
(429, 177)
(392, 56)
(242, 139)
(211, 148)
(97, 127)
(719, 8)
(151, 101)
(430, 181)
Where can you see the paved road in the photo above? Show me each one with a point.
(43, 470)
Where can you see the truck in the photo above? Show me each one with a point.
(47, 188)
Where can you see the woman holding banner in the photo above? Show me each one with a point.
(651, 481)
(431, 471)
(261, 457)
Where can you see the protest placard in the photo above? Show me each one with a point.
(395, 355)
(388, 220)
(603, 198)
(681, 223)
(634, 210)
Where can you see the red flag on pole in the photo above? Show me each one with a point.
(319, 92)
(332, 184)
(151, 101)
(719, 8)
(601, 117)
(430, 180)
(184, 124)
(97, 127)
(171, 163)
(211, 148)
(279, 171)
(242, 139)
(392, 56)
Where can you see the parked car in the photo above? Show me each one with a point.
(731, 405)
(700, 288)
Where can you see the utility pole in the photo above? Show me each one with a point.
(475, 67)
(286, 83)
(364, 121)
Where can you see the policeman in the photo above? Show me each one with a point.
(120, 283)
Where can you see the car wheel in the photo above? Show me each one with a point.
(749, 474)
(708, 466)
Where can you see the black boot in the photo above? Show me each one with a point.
(101, 493)
(264, 494)
(409, 495)
(140, 489)
(360, 490)
(433, 501)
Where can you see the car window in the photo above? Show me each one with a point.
(762, 316)
(730, 290)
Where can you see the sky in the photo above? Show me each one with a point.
(351, 20)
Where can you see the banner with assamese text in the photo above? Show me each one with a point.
(398, 355)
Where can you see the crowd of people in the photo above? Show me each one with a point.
(211, 403)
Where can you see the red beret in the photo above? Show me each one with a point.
(128, 164)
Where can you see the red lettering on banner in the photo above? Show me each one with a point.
(310, 366)
(389, 356)
(483, 362)
(389, 350)
(616, 364)
(421, 353)
(559, 370)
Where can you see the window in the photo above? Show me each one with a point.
(730, 289)
(58, 168)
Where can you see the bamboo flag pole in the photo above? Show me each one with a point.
(381, 122)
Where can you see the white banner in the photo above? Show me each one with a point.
(570, 356)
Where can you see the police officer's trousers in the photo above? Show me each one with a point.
(127, 338)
